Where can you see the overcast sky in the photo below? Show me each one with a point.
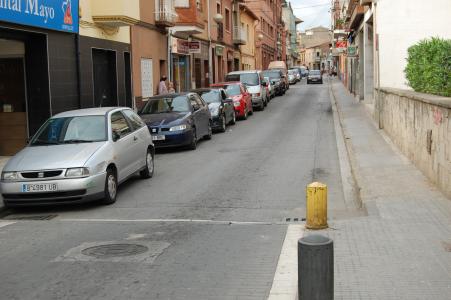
(312, 12)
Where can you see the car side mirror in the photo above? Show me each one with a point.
(116, 136)
(264, 83)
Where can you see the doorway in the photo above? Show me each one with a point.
(206, 74)
(198, 72)
(128, 79)
(13, 102)
(105, 77)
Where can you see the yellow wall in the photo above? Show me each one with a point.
(248, 50)
(89, 28)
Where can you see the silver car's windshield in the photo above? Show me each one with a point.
(83, 129)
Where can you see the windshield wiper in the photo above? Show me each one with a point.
(44, 142)
(76, 141)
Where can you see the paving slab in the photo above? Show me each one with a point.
(398, 251)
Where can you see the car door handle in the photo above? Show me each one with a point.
(135, 138)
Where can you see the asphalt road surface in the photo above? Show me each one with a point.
(209, 225)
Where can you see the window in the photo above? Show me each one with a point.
(218, 8)
(119, 125)
(227, 19)
(134, 119)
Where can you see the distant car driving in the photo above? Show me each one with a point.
(176, 120)
(79, 156)
(314, 76)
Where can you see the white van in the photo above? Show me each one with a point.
(255, 84)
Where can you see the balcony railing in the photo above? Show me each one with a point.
(165, 13)
(239, 35)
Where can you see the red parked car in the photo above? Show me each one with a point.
(242, 100)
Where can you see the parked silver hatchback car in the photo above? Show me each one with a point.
(78, 156)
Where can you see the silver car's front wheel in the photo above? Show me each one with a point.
(147, 172)
(110, 187)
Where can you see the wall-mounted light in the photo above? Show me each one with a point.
(218, 18)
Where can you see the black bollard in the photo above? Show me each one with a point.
(315, 268)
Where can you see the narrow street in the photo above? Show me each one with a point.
(213, 220)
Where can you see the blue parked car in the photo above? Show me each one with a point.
(177, 120)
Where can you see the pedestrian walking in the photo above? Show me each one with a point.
(162, 89)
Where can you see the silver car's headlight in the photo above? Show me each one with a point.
(77, 172)
(10, 176)
(178, 127)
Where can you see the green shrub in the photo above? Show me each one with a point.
(429, 67)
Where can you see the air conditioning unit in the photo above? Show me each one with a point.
(366, 2)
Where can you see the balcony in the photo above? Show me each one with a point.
(165, 15)
(115, 13)
(239, 35)
(356, 16)
(366, 2)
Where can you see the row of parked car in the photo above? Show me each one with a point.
(83, 155)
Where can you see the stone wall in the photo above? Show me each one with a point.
(420, 125)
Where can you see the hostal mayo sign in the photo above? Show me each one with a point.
(51, 14)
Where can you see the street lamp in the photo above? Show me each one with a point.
(218, 18)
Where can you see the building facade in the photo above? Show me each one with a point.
(269, 31)
(374, 54)
(150, 62)
(249, 22)
(39, 68)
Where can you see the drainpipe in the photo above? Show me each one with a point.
(169, 75)
(77, 58)
(210, 56)
(376, 40)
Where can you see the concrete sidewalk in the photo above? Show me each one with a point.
(402, 249)
(3, 161)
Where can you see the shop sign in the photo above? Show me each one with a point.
(59, 15)
(180, 46)
(219, 50)
(341, 44)
(352, 51)
(194, 47)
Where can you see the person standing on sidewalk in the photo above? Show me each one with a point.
(162, 89)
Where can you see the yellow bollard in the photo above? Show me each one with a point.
(316, 206)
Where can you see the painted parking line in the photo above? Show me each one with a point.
(285, 283)
(219, 222)
(5, 223)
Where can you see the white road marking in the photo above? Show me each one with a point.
(4, 223)
(285, 283)
(175, 221)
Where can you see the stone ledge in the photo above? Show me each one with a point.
(426, 98)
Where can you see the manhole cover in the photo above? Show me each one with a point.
(114, 250)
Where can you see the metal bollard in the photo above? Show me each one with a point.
(316, 206)
(315, 268)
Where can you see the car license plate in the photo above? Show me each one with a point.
(39, 187)
(158, 137)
